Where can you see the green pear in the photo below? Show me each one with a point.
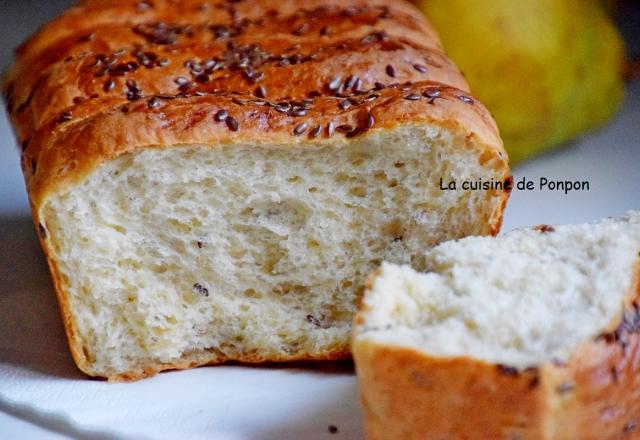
(548, 70)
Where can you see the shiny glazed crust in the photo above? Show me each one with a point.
(592, 395)
(111, 77)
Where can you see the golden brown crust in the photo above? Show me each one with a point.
(191, 120)
(316, 64)
(106, 78)
(93, 14)
(212, 357)
(290, 55)
(406, 395)
(592, 395)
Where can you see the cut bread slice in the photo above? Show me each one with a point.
(214, 184)
(184, 256)
(531, 335)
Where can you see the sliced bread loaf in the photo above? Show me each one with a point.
(214, 184)
(532, 335)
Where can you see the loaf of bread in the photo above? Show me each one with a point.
(213, 181)
(532, 335)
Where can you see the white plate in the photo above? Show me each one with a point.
(42, 395)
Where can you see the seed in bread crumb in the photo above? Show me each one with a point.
(391, 71)
(333, 429)
(431, 95)
(301, 29)
(300, 128)
(335, 83)
(42, 231)
(221, 115)
(507, 370)
(181, 81)
(614, 374)
(331, 128)
(534, 382)
(201, 289)
(350, 81)
(565, 387)
(345, 128)
(629, 427)
(344, 104)
(64, 117)
(313, 320)
(420, 68)
(357, 87)
(544, 228)
(144, 6)
(369, 121)
(202, 78)
(109, 85)
(260, 92)
(316, 131)
(232, 123)
(153, 102)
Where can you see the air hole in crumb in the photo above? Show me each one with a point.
(252, 293)
(358, 191)
(343, 177)
(288, 288)
(395, 229)
(119, 228)
(486, 157)
(236, 252)
(379, 175)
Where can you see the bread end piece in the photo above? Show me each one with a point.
(591, 392)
